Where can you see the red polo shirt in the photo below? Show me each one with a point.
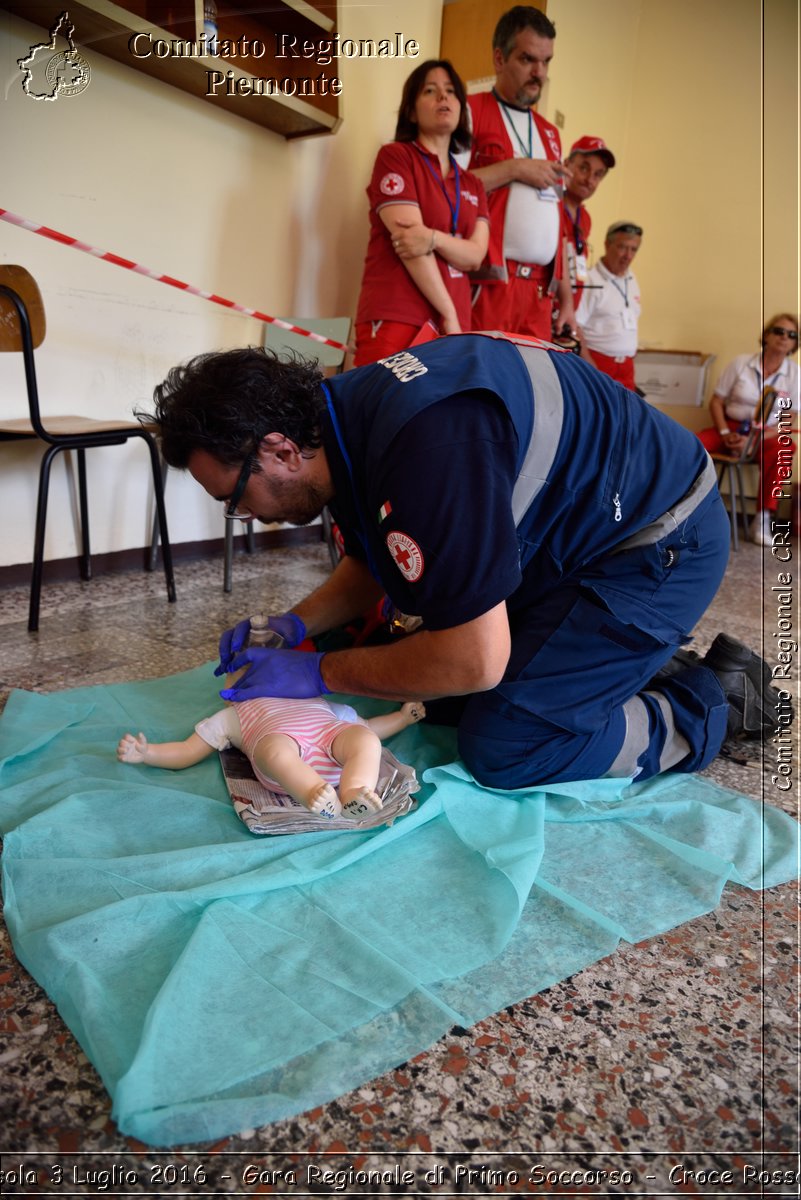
(404, 173)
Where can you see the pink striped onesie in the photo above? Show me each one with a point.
(311, 723)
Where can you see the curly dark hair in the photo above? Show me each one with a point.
(406, 128)
(226, 402)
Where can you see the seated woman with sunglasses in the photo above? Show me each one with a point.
(737, 394)
(429, 222)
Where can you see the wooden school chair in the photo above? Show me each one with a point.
(22, 329)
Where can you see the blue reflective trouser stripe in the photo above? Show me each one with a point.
(692, 700)
(579, 656)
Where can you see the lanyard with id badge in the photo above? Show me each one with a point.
(578, 270)
(551, 194)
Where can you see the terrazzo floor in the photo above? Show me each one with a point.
(669, 1068)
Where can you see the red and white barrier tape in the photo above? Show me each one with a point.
(107, 256)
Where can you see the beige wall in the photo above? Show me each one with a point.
(137, 167)
(675, 89)
(782, 217)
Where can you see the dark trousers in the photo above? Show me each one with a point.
(573, 704)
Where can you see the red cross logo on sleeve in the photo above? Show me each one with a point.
(407, 555)
(391, 184)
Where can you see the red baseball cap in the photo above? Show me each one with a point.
(593, 145)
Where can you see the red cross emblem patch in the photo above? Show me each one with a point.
(391, 184)
(407, 555)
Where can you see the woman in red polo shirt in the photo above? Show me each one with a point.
(428, 222)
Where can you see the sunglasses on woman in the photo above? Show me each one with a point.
(780, 331)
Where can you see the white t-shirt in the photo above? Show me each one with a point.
(609, 312)
(741, 384)
(531, 230)
(532, 225)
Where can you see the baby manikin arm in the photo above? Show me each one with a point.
(172, 755)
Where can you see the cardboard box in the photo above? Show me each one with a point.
(672, 376)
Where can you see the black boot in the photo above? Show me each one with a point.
(747, 681)
(681, 660)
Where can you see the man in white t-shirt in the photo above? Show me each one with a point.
(609, 311)
(517, 154)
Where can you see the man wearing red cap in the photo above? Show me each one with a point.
(588, 162)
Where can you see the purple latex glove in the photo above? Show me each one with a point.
(287, 625)
(276, 673)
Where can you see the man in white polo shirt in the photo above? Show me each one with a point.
(609, 311)
(517, 154)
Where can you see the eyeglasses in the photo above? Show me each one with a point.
(780, 331)
(236, 495)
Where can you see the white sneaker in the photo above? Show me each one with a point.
(761, 528)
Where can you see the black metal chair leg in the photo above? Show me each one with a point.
(85, 562)
(39, 537)
(161, 515)
(228, 556)
(328, 537)
(741, 486)
(154, 537)
(733, 505)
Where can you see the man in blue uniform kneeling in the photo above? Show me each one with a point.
(556, 537)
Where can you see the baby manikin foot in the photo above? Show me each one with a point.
(359, 800)
(324, 800)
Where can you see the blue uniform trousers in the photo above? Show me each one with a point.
(574, 703)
